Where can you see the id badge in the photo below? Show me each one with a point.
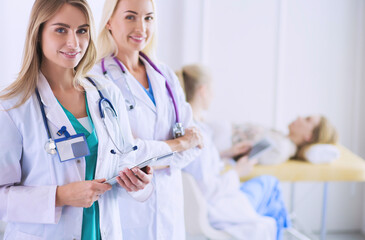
(72, 147)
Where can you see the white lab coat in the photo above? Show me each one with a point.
(29, 176)
(228, 208)
(162, 216)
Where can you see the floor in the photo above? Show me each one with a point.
(334, 236)
(331, 236)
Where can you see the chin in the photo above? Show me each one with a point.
(71, 64)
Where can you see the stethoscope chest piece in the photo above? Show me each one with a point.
(50, 147)
(178, 130)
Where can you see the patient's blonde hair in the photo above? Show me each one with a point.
(191, 77)
(106, 45)
(27, 79)
(324, 133)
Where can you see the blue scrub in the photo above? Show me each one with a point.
(149, 92)
(265, 195)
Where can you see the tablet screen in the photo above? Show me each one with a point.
(259, 148)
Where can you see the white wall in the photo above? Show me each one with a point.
(288, 58)
(272, 60)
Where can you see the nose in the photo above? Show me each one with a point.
(72, 40)
(141, 25)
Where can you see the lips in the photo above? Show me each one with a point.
(70, 54)
(137, 38)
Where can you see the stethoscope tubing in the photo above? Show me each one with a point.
(102, 115)
(155, 68)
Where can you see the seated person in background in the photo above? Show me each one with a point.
(252, 210)
(303, 134)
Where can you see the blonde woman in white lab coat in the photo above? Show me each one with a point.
(44, 195)
(253, 210)
(125, 46)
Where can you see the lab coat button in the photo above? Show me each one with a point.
(78, 161)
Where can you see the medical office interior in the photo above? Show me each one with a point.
(271, 60)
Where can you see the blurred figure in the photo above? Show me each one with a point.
(303, 133)
(253, 210)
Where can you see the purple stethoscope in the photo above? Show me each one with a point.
(178, 129)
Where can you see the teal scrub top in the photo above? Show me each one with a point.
(91, 218)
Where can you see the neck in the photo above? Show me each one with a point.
(59, 78)
(130, 60)
(197, 111)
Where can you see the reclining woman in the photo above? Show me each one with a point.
(252, 210)
(304, 133)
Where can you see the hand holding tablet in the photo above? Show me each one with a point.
(142, 165)
(257, 149)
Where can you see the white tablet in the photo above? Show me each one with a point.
(143, 164)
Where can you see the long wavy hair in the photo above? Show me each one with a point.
(27, 79)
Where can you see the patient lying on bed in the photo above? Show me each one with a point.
(309, 138)
(253, 210)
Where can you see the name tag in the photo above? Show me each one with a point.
(72, 147)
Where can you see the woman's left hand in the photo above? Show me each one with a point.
(135, 179)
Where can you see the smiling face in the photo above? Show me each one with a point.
(132, 25)
(65, 38)
(302, 128)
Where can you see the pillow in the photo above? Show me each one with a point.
(322, 153)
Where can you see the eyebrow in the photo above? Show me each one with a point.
(68, 26)
(130, 11)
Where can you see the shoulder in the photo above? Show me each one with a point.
(96, 70)
(166, 70)
(8, 105)
(171, 77)
(107, 87)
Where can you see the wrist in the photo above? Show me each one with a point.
(175, 144)
(59, 196)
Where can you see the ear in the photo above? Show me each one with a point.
(202, 89)
(107, 26)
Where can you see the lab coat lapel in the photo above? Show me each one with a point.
(162, 99)
(158, 83)
(58, 118)
(137, 90)
(93, 99)
(53, 109)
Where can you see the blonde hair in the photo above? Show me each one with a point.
(106, 44)
(191, 77)
(27, 79)
(324, 133)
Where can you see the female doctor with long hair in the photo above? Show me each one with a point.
(157, 112)
(55, 149)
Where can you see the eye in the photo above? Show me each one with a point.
(149, 18)
(82, 31)
(130, 17)
(61, 30)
